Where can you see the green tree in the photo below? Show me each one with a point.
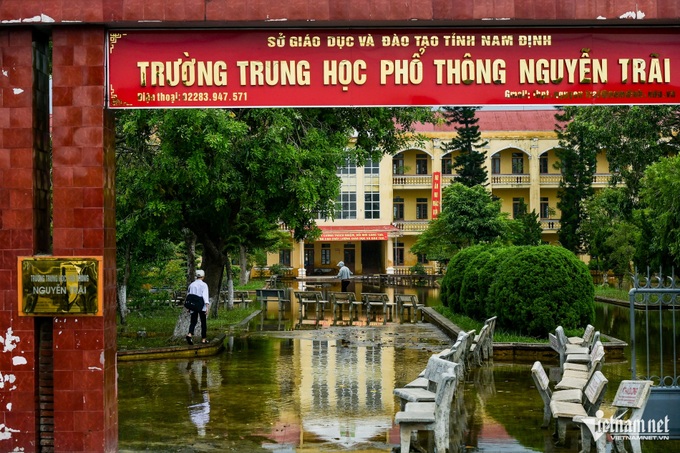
(610, 237)
(231, 177)
(469, 215)
(659, 200)
(525, 228)
(633, 137)
(577, 160)
(469, 163)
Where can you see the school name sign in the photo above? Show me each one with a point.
(306, 68)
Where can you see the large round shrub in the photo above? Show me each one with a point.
(539, 288)
(455, 271)
(474, 284)
(488, 272)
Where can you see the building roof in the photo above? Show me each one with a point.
(539, 120)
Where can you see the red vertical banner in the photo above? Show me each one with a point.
(436, 193)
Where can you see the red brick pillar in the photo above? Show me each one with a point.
(23, 215)
(85, 397)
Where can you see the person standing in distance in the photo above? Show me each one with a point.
(200, 289)
(344, 276)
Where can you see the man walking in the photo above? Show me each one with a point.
(200, 289)
(344, 276)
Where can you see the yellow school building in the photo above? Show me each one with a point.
(384, 206)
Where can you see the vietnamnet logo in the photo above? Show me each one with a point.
(637, 429)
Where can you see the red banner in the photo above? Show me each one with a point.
(436, 193)
(363, 67)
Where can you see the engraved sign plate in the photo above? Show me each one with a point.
(54, 286)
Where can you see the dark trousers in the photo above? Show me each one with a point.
(194, 320)
(344, 284)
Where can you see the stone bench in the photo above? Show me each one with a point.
(564, 405)
(431, 415)
(306, 299)
(631, 399)
(436, 367)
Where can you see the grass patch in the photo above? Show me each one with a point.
(157, 321)
(611, 293)
(500, 336)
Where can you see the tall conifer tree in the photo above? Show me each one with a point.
(469, 164)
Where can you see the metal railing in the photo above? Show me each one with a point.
(657, 296)
(411, 226)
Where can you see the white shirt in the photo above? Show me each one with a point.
(200, 288)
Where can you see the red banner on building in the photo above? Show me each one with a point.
(331, 233)
(436, 193)
(363, 67)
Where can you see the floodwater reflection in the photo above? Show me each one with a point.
(328, 390)
(323, 390)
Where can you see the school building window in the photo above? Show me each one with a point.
(543, 164)
(447, 165)
(398, 207)
(284, 257)
(309, 254)
(399, 253)
(347, 206)
(517, 163)
(496, 164)
(421, 164)
(421, 208)
(372, 167)
(372, 205)
(516, 203)
(398, 164)
(545, 208)
(325, 254)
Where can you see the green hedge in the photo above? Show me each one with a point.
(532, 290)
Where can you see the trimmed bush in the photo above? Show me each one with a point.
(538, 288)
(453, 280)
(471, 300)
(531, 289)
(488, 273)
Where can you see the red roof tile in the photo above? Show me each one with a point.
(505, 120)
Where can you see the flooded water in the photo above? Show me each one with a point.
(327, 390)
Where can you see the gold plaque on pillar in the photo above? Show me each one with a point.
(52, 286)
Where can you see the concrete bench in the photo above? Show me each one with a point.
(564, 348)
(306, 299)
(542, 383)
(631, 399)
(455, 354)
(277, 295)
(586, 339)
(431, 416)
(339, 301)
(564, 411)
(408, 302)
(436, 367)
(576, 375)
(377, 302)
(478, 349)
(241, 298)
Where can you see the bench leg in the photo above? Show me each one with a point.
(561, 430)
(405, 437)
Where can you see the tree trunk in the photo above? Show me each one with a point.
(182, 325)
(184, 319)
(243, 262)
(213, 265)
(121, 294)
(190, 244)
(230, 287)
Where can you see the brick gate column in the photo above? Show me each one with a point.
(24, 224)
(85, 397)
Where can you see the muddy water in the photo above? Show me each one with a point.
(326, 390)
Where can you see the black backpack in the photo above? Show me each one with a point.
(194, 302)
